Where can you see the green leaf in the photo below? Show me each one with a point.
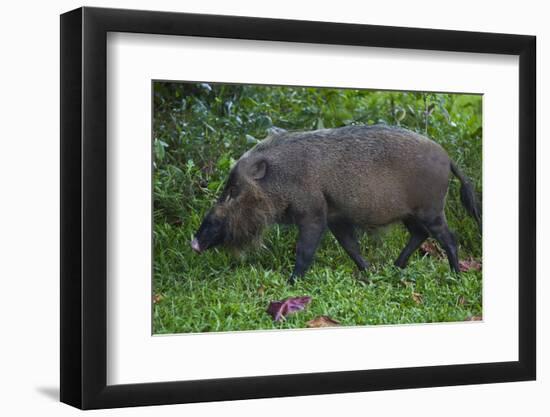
(251, 139)
(213, 185)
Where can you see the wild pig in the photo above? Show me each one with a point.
(344, 179)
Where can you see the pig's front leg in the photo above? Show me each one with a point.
(309, 236)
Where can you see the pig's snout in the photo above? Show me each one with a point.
(196, 246)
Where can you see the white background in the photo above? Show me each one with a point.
(30, 206)
(129, 210)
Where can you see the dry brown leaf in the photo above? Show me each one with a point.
(208, 168)
(474, 318)
(469, 265)
(461, 300)
(417, 298)
(261, 291)
(431, 248)
(176, 222)
(157, 298)
(406, 283)
(323, 321)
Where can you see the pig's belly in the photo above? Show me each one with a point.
(367, 214)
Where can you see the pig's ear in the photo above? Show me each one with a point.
(258, 169)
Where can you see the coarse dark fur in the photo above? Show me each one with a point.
(254, 206)
(344, 179)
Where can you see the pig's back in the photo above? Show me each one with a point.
(370, 175)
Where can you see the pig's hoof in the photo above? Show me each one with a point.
(400, 264)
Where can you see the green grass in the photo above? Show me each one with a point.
(217, 291)
(198, 135)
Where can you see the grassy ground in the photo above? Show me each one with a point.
(200, 129)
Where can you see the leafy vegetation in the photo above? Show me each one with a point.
(199, 131)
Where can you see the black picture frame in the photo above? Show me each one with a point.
(84, 207)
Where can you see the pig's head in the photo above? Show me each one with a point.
(241, 212)
(212, 232)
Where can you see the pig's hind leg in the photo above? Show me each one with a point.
(418, 233)
(440, 231)
(344, 233)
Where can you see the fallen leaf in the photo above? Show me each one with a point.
(431, 248)
(157, 298)
(474, 318)
(208, 168)
(417, 298)
(469, 265)
(261, 291)
(461, 300)
(279, 309)
(323, 321)
(406, 283)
